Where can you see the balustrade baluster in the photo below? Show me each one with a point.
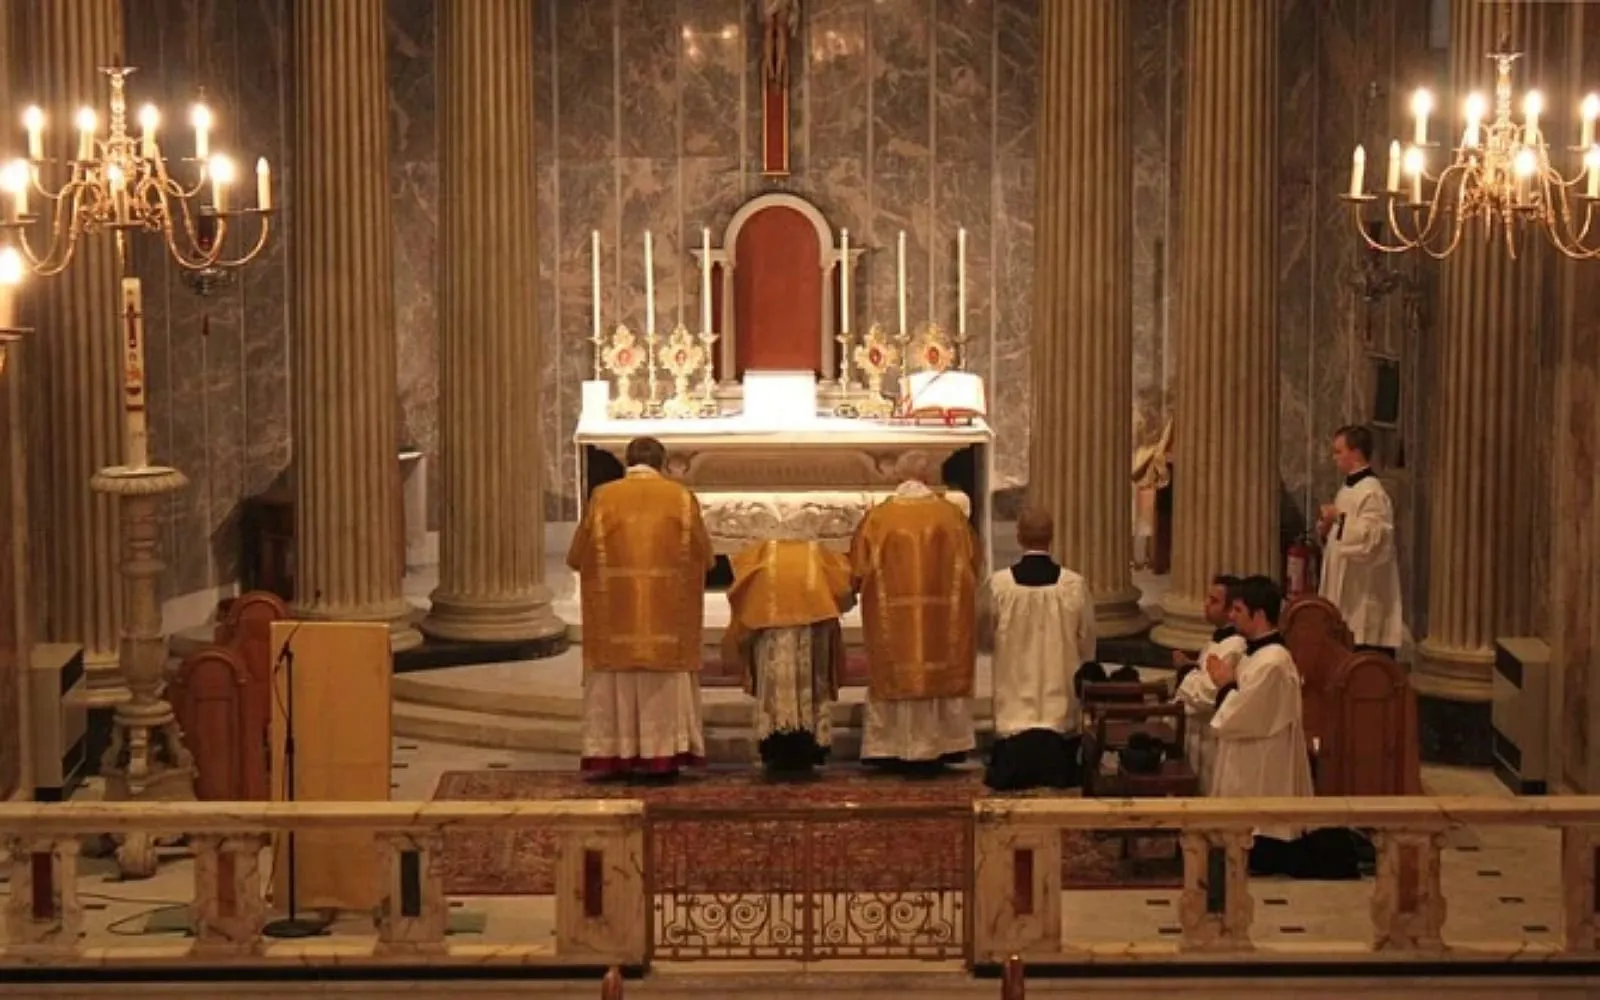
(1215, 909)
(602, 909)
(415, 911)
(228, 902)
(1580, 862)
(1408, 907)
(1017, 880)
(42, 912)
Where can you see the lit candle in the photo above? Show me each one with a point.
(1532, 105)
(1594, 173)
(1475, 110)
(1590, 111)
(263, 185)
(900, 281)
(961, 281)
(705, 280)
(86, 127)
(15, 179)
(649, 286)
(149, 118)
(844, 281)
(221, 177)
(33, 121)
(1421, 105)
(200, 118)
(119, 191)
(1358, 170)
(594, 259)
(1414, 166)
(133, 409)
(1393, 184)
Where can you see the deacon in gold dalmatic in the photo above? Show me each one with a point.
(642, 553)
(785, 603)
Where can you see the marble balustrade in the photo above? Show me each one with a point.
(603, 897)
(600, 894)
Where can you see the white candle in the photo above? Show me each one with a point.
(594, 270)
(1594, 172)
(1532, 107)
(1358, 170)
(1394, 167)
(1590, 110)
(263, 184)
(133, 409)
(961, 281)
(705, 280)
(649, 287)
(1475, 110)
(221, 177)
(149, 118)
(1416, 186)
(900, 280)
(200, 118)
(86, 127)
(1421, 104)
(844, 281)
(33, 121)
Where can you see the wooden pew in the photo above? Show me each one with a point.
(1359, 708)
(222, 696)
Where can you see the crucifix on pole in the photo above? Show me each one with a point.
(780, 26)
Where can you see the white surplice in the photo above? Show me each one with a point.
(1199, 699)
(1261, 743)
(1360, 574)
(1042, 635)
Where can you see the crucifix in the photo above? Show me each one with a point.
(780, 26)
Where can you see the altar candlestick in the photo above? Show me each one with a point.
(961, 281)
(900, 281)
(649, 286)
(844, 281)
(705, 280)
(133, 409)
(594, 259)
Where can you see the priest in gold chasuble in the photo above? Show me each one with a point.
(784, 605)
(642, 553)
(916, 562)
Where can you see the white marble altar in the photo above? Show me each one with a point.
(815, 479)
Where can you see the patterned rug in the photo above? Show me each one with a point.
(716, 674)
(730, 855)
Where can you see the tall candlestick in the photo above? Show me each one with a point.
(263, 185)
(900, 280)
(844, 281)
(961, 281)
(705, 280)
(649, 286)
(133, 407)
(1358, 170)
(1394, 167)
(594, 261)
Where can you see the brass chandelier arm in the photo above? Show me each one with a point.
(194, 258)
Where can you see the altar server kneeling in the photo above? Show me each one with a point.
(916, 562)
(1195, 691)
(642, 552)
(1041, 617)
(785, 603)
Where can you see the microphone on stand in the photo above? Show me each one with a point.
(293, 925)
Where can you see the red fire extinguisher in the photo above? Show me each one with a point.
(1297, 570)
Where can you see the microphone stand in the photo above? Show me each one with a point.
(293, 925)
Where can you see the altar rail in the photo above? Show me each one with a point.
(631, 884)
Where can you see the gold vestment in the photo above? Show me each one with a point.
(642, 552)
(784, 584)
(916, 562)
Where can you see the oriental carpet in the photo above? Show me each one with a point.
(751, 855)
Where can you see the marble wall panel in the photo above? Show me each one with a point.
(1011, 394)
(1149, 96)
(837, 74)
(585, 79)
(649, 48)
(1299, 197)
(711, 66)
(1016, 68)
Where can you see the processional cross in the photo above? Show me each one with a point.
(780, 26)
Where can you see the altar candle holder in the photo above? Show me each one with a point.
(709, 407)
(652, 406)
(846, 406)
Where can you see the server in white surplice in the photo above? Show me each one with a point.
(1360, 574)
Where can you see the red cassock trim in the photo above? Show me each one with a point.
(640, 765)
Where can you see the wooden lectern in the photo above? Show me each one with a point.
(342, 731)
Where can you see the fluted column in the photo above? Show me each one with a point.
(75, 357)
(491, 546)
(348, 560)
(1478, 540)
(1082, 417)
(1225, 476)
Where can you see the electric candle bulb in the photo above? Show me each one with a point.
(222, 174)
(1526, 163)
(1476, 106)
(1590, 110)
(1532, 107)
(14, 179)
(1358, 167)
(33, 121)
(149, 119)
(1421, 107)
(1394, 167)
(1414, 167)
(86, 123)
(11, 269)
(263, 185)
(200, 118)
(1593, 160)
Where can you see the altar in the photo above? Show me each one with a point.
(814, 480)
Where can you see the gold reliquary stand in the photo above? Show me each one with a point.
(877, 354)
(632, 368)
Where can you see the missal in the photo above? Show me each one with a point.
(945, 397)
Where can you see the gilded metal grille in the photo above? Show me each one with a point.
(810, 884)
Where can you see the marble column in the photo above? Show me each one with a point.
(1225, 460)
(75, 360)
(348, 557)
(491, 545)
(1082, 418)
(1479, 525)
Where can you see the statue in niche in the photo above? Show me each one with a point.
(780, 20)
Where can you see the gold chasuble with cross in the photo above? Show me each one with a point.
(916, 562)
(642, 552)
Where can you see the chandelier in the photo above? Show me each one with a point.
(1501, 179)
(120, 184)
